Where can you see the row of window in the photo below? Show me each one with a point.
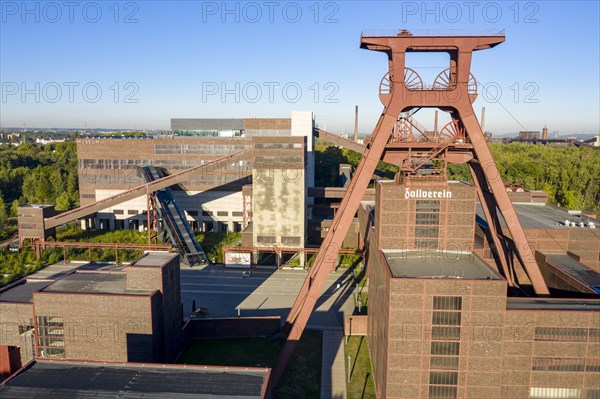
(276, 159)
(566, 364)
(567, 334)
(208, 149)
(277, 146)
(289, 240)
(133, 163)
(563, 393)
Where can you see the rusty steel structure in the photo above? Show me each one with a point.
(399, 140)
(38, 237)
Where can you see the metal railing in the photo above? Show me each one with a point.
(431, 32)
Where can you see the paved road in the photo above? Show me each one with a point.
(267, 292)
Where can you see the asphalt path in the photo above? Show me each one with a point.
(265, 292)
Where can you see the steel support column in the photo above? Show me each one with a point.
(483, 154)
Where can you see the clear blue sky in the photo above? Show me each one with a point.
(154, 60)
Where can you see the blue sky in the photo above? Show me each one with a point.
(136, 64)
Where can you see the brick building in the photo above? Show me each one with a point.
(441, 321)
(97, 312)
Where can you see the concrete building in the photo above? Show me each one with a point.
(212, 201)
(279, 192)
(97, 312)
(442, 321)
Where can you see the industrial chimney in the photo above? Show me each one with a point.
(545, 133)
(356, 124)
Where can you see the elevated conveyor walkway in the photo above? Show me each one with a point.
(174, 222)
(213, 167)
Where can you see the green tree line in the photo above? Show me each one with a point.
(32, 173)
(570, 175)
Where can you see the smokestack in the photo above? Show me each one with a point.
(356, 124)
(545, 133)
(435, 124)
(483, 119)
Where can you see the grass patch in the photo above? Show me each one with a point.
(361, 385)
(302, 378)
(242, 352)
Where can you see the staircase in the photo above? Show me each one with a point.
(174, 222)
(419, 158)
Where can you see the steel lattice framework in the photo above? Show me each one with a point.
(402, 93)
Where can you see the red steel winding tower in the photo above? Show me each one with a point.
(402, 93)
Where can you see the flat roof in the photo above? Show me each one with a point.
(207, 123)
(156, 259)
(573, 268)
(95, 283)
(44, 379)
(23, 291)
(591, 305)
(542, 216)
(438, 264)
(58, 270)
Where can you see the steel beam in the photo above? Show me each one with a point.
(143, 189)
(483, 154)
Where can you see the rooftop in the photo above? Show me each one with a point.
(156, 259)
(44, 379)
(540, 216)
(22, 291)
(437, 264)
(432, 32)
(95, 283)
(591, 305)
(575, 269)
(60, 269)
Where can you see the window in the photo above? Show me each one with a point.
(561, 334)
(558, 364)
(427, 221)
(118, 211)
(132, 211)
(50, 336)
(222, 213)
(445, 348)
(592, 365)
(192, 213)
(237, 214)
(265, 239)
(290, 240)
(443, 378)
(592, 393)
(554, 393)
(444, 362)
(447, 302)
(445, 333)
(445, 345)
(573, 364)
(445, 318)
(428, 206)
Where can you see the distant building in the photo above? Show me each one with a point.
(529, 135)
